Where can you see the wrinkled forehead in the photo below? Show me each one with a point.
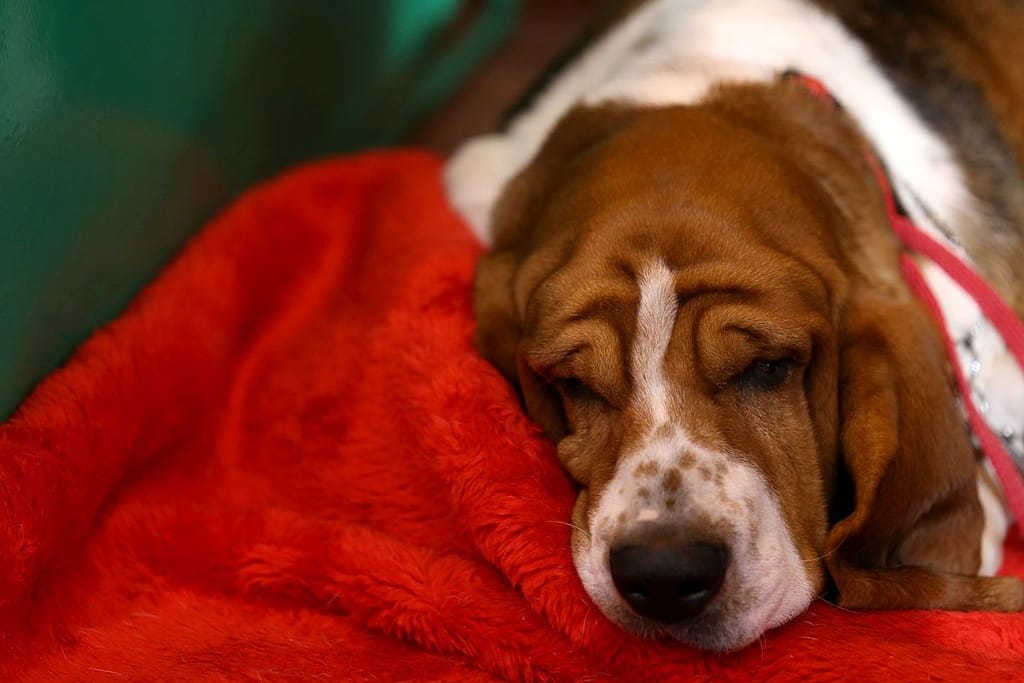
(628, 302)
(663, 189)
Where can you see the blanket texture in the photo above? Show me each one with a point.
(285, 461)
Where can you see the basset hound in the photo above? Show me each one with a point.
(695, 284)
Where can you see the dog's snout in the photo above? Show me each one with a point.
(669, 583)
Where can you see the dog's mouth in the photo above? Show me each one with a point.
(708, 570)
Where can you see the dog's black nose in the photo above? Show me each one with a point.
(669, 583)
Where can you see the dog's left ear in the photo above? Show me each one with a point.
(912, 539)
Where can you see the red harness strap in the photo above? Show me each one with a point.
(999, 314)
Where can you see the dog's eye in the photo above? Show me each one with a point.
(766, 374)
(575, 389)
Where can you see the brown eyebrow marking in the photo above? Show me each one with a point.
(542, 361)
(713, 277)
(605, 307)
(789, 338)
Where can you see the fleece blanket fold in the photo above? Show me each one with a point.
(285, 461)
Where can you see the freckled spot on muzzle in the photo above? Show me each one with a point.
(647, 468)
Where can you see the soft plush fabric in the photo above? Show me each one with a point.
(286, 462)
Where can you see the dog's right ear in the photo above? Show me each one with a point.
(498, 327)
(506, 276)
(522, 256)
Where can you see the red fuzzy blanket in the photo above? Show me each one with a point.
(286, 462)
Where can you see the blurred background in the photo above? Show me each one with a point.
(124, 125)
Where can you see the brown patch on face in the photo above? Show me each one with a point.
(644, 493)
(705, 472)
(671, 481)
(647, 468)
(720, 477)
(663, 431)
(733, 507)
(670, 503)
(687, 460)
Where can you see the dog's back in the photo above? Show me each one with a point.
(961, 64)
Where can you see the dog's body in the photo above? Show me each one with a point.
(695, 285)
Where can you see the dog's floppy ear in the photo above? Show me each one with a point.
(498, 336)
(912, 537)
(498, 327)
(506, 278)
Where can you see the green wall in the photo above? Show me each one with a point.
(124, 124)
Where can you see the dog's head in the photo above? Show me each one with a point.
(713, 331)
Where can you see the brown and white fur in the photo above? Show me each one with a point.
(693, 283)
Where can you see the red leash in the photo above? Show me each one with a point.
(999, 315)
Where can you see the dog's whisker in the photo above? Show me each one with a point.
(820, 557)
(836, 605)
(570, 525)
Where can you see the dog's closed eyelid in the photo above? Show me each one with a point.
(585, 388)
(795, 345)
(566, 368)
(574, 367)
(576, 389)
(552, 364)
